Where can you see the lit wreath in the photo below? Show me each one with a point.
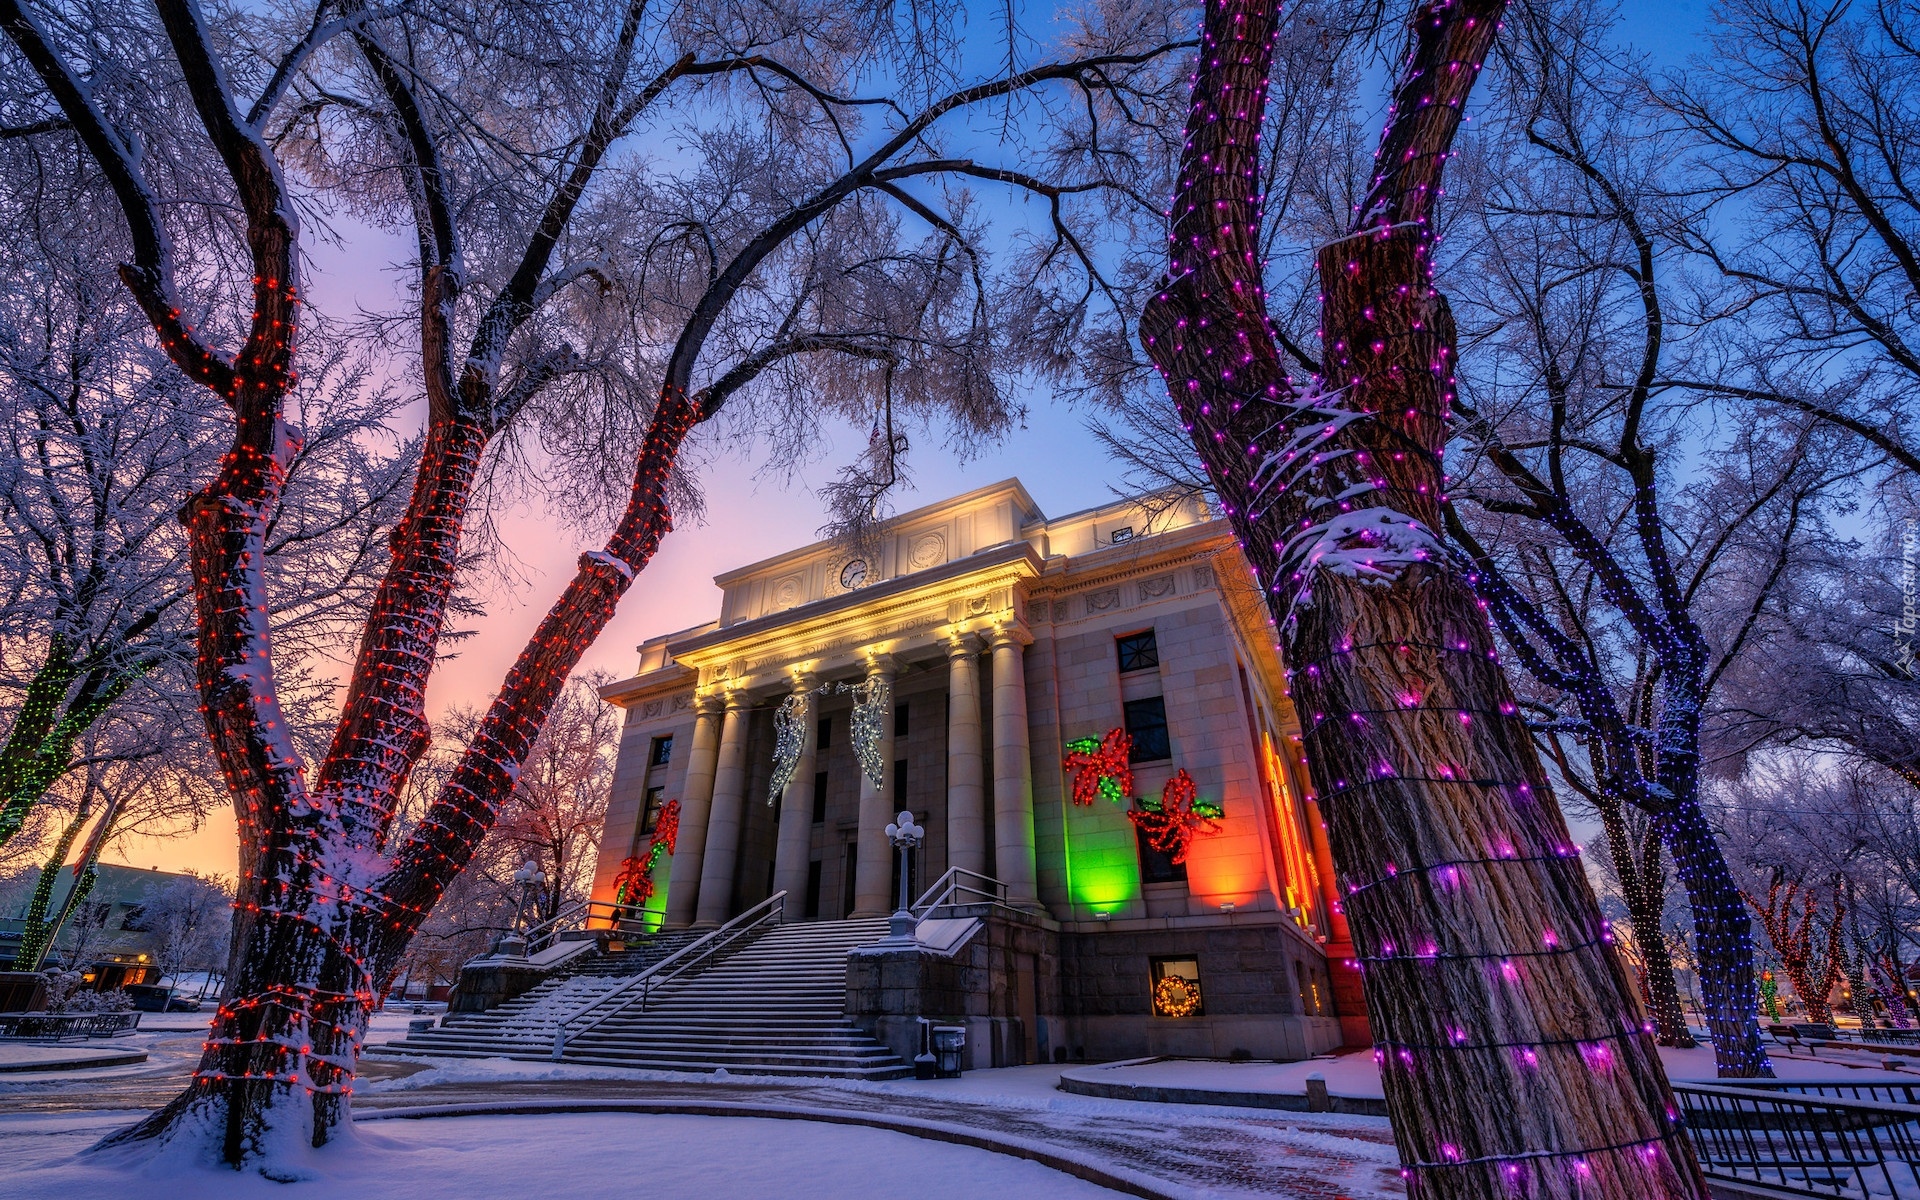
(1174, 996)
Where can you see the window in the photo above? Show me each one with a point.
(1157, 866)
(1123, 533)
(1176, 987)
(662, 752)
(1138, 651)
(900, 719)
(819, 796)
(825, 740)
(650, 813)
(899, 784)
(1316, 997)
(1147, 726)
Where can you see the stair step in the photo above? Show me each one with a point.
(774, 1006)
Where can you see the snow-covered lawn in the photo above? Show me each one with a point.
(590, 1156)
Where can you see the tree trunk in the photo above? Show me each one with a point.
(1640, 882)
(23, 774)
(37, 933)
(1860, 995)
(1723, 946)
(1512, 1059)
(39, 748)
(277, 1071)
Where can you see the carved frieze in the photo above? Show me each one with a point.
(1155, 587)
(1104, 600)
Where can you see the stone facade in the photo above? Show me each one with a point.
(1002, 984)
(1004, 636)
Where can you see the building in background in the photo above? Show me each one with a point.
(1005, 641)
(104, 936)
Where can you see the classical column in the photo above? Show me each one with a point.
(873, 871)
(966, 795)
(796, 813)
(696, 799)
(1012, 770)
(723, 821)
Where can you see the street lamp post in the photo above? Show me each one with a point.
(905, 835)
(531, 880)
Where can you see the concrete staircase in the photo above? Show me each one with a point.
(774, 1006)
(637, 957)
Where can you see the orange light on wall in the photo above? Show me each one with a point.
(1303, 881)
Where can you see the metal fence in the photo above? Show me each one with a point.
(1805, 1143)
(60, 1027)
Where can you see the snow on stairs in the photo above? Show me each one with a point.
(524, 1025)
(774, 1007)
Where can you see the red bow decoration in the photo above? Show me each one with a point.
(1101, 768)
(634, 884)
(1176, 818)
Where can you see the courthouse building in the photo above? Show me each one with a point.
(1003, 641)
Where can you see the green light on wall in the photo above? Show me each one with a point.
(1103, 868)
(654, 913)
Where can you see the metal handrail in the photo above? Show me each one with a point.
(767, 911)
(1817, 1146)
(956, 883)
(540, 936)
(620, 914)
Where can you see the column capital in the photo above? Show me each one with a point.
(963, 644)
(709, 703)
(738, 699)
(880, 664)
(1011, 635)
(804, 682)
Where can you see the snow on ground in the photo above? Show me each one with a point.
(21, 1057)
(1355, 1074)
(497, 1070)
(172, 1042)
(558, 1157)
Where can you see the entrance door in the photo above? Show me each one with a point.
(1025, 997)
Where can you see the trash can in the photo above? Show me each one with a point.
(949, 1043)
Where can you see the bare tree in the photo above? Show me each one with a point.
(559, 802)
(1838, 675)
(1436, 801)
(188, 922)
(103, 438)
(808, 244)
(1627, 553)
(1808, 944)
(1804, 119)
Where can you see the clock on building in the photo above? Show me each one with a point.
(854, 573)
